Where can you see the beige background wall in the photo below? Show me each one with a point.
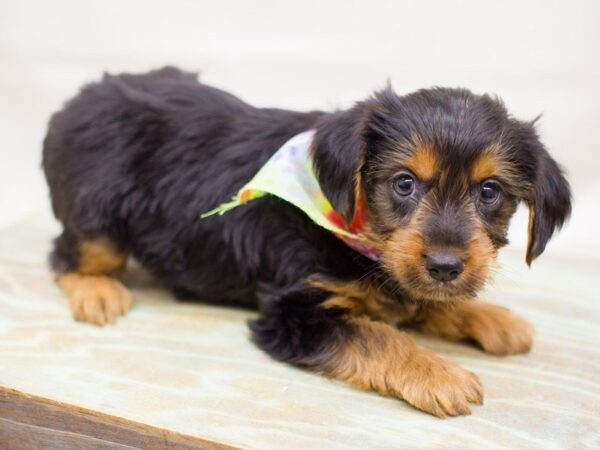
(539, 56)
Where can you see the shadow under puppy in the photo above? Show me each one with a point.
(429, 179)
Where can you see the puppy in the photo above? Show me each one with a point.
(132, 162)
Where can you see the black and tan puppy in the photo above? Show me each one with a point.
(133, 160)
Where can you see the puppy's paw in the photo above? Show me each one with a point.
(96, 299)
(439, 387)
(499, 331)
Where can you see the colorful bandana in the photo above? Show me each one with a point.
(289, 175)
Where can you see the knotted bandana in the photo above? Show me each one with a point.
(289, 174)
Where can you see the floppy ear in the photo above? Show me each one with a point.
(338, 152)
(549, 202)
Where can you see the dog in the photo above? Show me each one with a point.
(133, 161)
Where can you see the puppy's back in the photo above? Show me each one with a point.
(112, 128)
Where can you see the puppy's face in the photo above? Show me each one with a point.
(441, 172)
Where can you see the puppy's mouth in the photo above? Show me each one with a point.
(425, 283)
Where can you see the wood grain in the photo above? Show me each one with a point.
(191, 369)
(31, 422)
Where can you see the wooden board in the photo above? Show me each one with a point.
(191, 371)
(30, 422)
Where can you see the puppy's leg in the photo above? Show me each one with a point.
(84, 269)
(496, 329)
(368, 354)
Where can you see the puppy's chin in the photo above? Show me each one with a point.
(424, 288)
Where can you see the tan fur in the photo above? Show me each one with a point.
(497, 330)
(96, 299)
(100, 256)
(492, 163)
(381, 358)
(480, 255)
(358, 188)
(486, 166)
(404, 250)
(94, 296)
(362, 298)
(424, 162)
(530, 237)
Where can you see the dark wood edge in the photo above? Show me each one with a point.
(30, 421)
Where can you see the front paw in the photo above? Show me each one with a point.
(437, 386)
(499, 331)
(95, 299)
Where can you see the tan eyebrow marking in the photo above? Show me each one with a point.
(487, 165)
(424, 162)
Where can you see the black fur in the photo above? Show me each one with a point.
(138, 158)
(294, 329)
(339, 150)
(550, 202)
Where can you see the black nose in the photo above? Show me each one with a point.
(444, 266)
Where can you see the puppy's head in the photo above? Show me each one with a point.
(440, 172)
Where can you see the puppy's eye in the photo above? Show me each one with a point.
(489, 192)
(404, 184)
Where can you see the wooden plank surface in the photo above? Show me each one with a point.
(31, 422)
(190, 369)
